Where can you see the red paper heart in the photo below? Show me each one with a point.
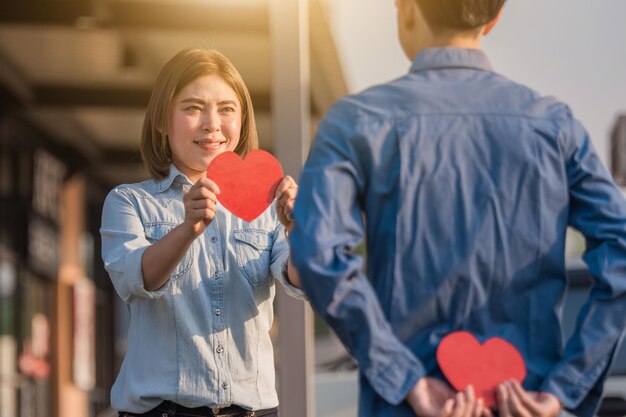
(464, 361)
(247, 186)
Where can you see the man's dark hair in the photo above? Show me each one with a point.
(460, 14)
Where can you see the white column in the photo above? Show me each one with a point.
(291, 129)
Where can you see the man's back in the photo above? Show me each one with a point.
(467, 182)
(465, 194)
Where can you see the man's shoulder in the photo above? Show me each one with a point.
(410, 96)
(372, 102)
(528, 102)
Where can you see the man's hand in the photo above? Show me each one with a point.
(515, 401)
(431, 397)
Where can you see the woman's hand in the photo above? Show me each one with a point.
(200, 206)
(285, 199)
(431, 397)
(515, 401)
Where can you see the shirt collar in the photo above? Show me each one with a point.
(440, 58)
(174, 176)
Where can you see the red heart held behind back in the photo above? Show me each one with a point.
(247, 186)
(464, 361)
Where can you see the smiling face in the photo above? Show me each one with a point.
(205, 120)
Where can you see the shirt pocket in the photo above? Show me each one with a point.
(156, 231)
(253, 247)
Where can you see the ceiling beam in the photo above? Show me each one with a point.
(67, 95)
(44, 11)
(208, 17)
(59, 95)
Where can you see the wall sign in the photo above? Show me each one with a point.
(43, 235)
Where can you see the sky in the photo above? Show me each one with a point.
(574, 50)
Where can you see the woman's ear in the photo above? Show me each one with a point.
(162, 131)
(491, 24)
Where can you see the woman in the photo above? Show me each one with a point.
(197, 280)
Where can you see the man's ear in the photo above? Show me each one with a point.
(491, 24)
(406, 10)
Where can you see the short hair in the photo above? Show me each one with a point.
(183, 68)
(460, 14)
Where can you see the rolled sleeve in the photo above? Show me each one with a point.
(278, 267)
(123, 245)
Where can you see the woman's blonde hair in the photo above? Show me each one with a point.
(184, 67)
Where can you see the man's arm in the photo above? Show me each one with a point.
(328, 226)
(598, 210)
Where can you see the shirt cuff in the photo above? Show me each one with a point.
(129, 281)
(289, 288)
(580, 398)
(397, 377)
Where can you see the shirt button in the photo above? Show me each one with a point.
(213, 239)
(225, 385)
(219, 349)
(218, 311)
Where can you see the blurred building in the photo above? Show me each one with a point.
(75, 76)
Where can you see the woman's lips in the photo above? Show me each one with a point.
(209, 144)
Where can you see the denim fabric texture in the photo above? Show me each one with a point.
(462, 184)
(203, 338)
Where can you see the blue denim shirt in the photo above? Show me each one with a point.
(203, 338)
(462, 184)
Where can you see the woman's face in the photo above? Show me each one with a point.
(205, 121)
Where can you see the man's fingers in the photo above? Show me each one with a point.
(469, 394)
(460, 405)
(517, 407)
(503, 401)
(470, 404)
(526, 400)
(448, 406)
(487, 412)
(479, 408)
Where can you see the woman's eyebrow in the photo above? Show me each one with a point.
(200, 101)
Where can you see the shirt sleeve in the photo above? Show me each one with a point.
(123, 245)
(598, 211)
(280, 257)
(328, 226)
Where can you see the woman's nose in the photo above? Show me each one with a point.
(210, 122)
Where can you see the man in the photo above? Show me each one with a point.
(462, 183)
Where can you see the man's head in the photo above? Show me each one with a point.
(437, 23)
(461, 15)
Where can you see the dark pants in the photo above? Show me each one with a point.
(170, 409)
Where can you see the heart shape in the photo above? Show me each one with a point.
(464, 361)
(247, 186)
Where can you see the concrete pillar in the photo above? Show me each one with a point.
(291, 131)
